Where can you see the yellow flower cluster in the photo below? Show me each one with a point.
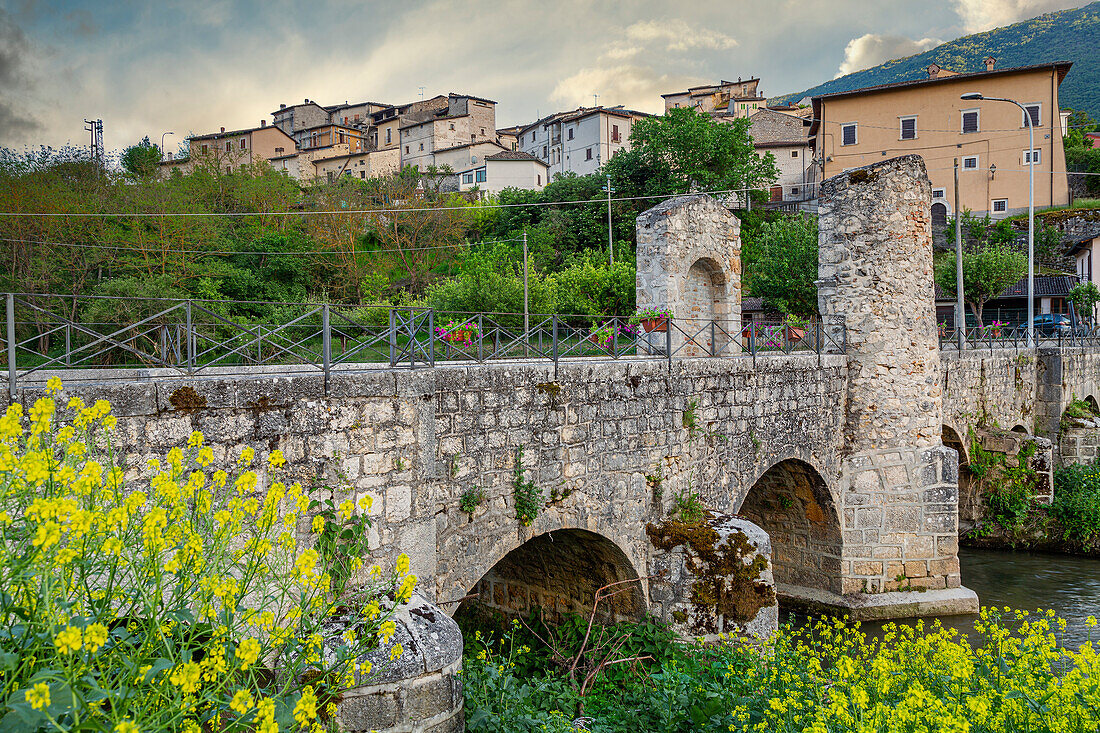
(185, 597)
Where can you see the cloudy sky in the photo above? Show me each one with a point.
(195, 65)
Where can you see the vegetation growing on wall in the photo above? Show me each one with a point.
(527, 495)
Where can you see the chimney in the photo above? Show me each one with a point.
(263, 123)
(989, 61)
(223, 129)
(933, 71)
(282, 106)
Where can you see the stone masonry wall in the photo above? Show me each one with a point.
(415, 440)
(898, 483)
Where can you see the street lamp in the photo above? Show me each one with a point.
(162, 142)
(979, 97)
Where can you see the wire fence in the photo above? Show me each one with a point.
(98, 339)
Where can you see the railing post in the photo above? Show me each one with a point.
(326, 344)
(615, 338)
(555, 337)
(713, 338)
(481, 337)
(393, 338)
(668, 343)
(10, 309)
(752, 342)
(817, 342)
(259, 343)
(431, 337)
(190, 338)
(69, 344)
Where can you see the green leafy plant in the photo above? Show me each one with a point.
(1076, 503)
(689, 507)
(343, 539)
(471, 499)
(527, 495)
(689, 419)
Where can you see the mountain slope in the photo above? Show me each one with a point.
(1065, 35)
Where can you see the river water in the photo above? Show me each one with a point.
(1028, 581)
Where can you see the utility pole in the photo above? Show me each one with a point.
(95, 130)
(610, 247)
(960, 307)
(526, 307)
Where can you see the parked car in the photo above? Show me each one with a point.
(1053, 324)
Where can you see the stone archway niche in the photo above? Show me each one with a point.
(689, 263)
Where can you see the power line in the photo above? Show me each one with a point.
(154, 250)
(472, 209)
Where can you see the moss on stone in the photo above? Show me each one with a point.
(724, 583)
(186, 399)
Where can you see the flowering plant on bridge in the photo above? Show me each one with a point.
(651, 319)
(603, 335)
(168, 597)
(459, 333)
(993, 329)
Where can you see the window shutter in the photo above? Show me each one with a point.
(909, 129)
(848, 134)
(970, 122)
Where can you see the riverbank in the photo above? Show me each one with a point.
(1010, 674)
(1038, 531)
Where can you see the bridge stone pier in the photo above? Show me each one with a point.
(848, 461)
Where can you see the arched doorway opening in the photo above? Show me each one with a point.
(1093, 405)
(794, 506)
(970, 500)
(705, 301)
(939, 214)
(556, 573)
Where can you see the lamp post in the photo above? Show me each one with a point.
(162, 136)
(979, 97)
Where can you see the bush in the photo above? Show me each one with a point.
(168, 597)
(1077, 501)
(1010, 675)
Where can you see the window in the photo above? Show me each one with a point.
(1035, 112)
(794, 190)
(341, 137)
(228, 146)
(421, 146)
(467, 177)
(483, 131)
(544, 151)
(1032, 157)
(480, 175)
(538, 179)
(452, 125)
(794, 153)
(389, 135)
(473, 158)
(362, 174)
(205, 150)
(242, 143)
(406, 150)
(908, 128)
(569, 134)
(588, 153)
(848, 134)
(1000, 205)
(970, 163)
(970, 121)
(229, 169)
(614, 133)
(938, 193)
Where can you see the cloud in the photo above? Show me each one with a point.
(871, 49)
(676, 35)
(15, 50)
(634, 86)
(981, 15)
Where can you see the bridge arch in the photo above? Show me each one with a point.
(1093, 404)
(558, 572)
(793, 504)
(970, 500)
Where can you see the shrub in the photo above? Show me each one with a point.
(1009, 675)
(168, 597)
(1077, 501)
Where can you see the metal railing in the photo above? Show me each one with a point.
(51, 333)
(1015, 337)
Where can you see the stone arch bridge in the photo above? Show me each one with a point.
(840, 457)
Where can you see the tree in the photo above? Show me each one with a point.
(780, 264)
(1084, 297)
(987, 272)
(140, 160)
(685, 150)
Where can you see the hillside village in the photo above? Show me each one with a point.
(818, 137)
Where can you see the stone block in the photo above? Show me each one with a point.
(901, 518)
